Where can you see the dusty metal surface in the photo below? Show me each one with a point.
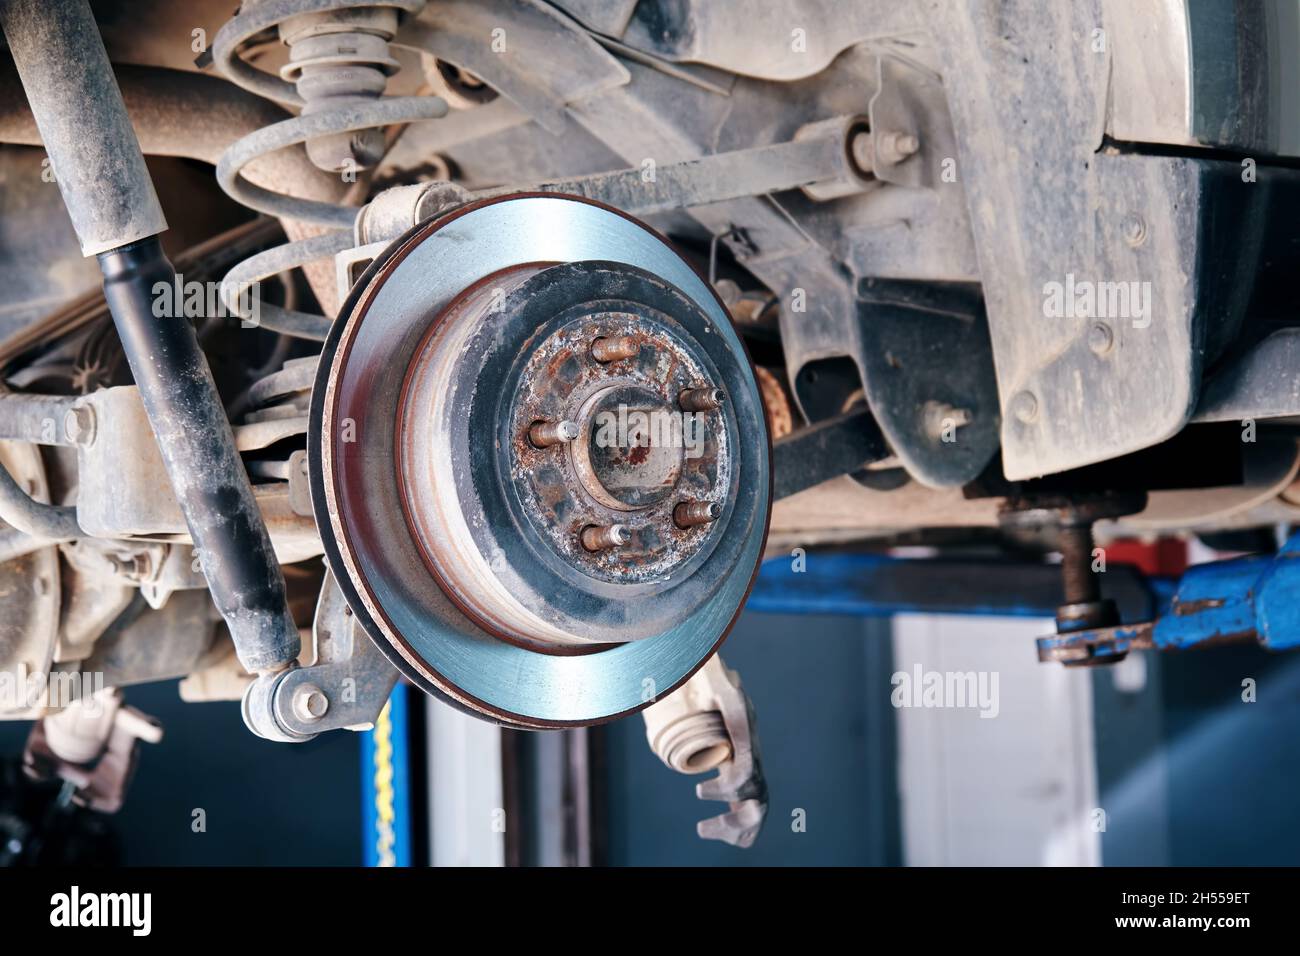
(92, 148)
(1261, 384)
(786, 47)
(1204, 74)
(708, 723)
(348, 682)
(407, 608)
(160, 644)
(1154, 286)
(863, 249)
(827, 449)
(29, 587)
(196, 116)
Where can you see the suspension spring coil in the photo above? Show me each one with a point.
(338, 68)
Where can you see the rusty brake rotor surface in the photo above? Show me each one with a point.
(540, 461)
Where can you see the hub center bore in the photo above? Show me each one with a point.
(632, 446)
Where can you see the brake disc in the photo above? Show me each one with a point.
(539, 461)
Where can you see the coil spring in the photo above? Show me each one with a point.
(339, 61)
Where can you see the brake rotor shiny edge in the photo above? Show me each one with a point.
(368, 610)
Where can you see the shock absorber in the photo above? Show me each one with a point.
(111, 200)
(340, 60)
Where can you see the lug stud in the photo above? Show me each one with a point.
(700, 399)
(689, 514)
(604, 537)
(546, 434)
(614, 348)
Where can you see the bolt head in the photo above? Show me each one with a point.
(1100, 338)
(1134, 229)
(79, 424)
(940, 416)
(1025, 407)
(309, 703)
(896, 147)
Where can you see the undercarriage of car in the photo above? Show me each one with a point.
(492, 348)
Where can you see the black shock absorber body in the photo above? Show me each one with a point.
(101, 173)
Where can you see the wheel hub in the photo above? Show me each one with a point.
(637, 454)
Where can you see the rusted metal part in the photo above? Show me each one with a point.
(690, 514)
(1075, 544)
(614, 348)
(632, 449)
(1188, 608)
(1222, 602)
(1110, 644)
(604, 537)
(703, 399)
(429, 529)
(1083, 609)
(776, 402)
(546, 434)
(1034, 509)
